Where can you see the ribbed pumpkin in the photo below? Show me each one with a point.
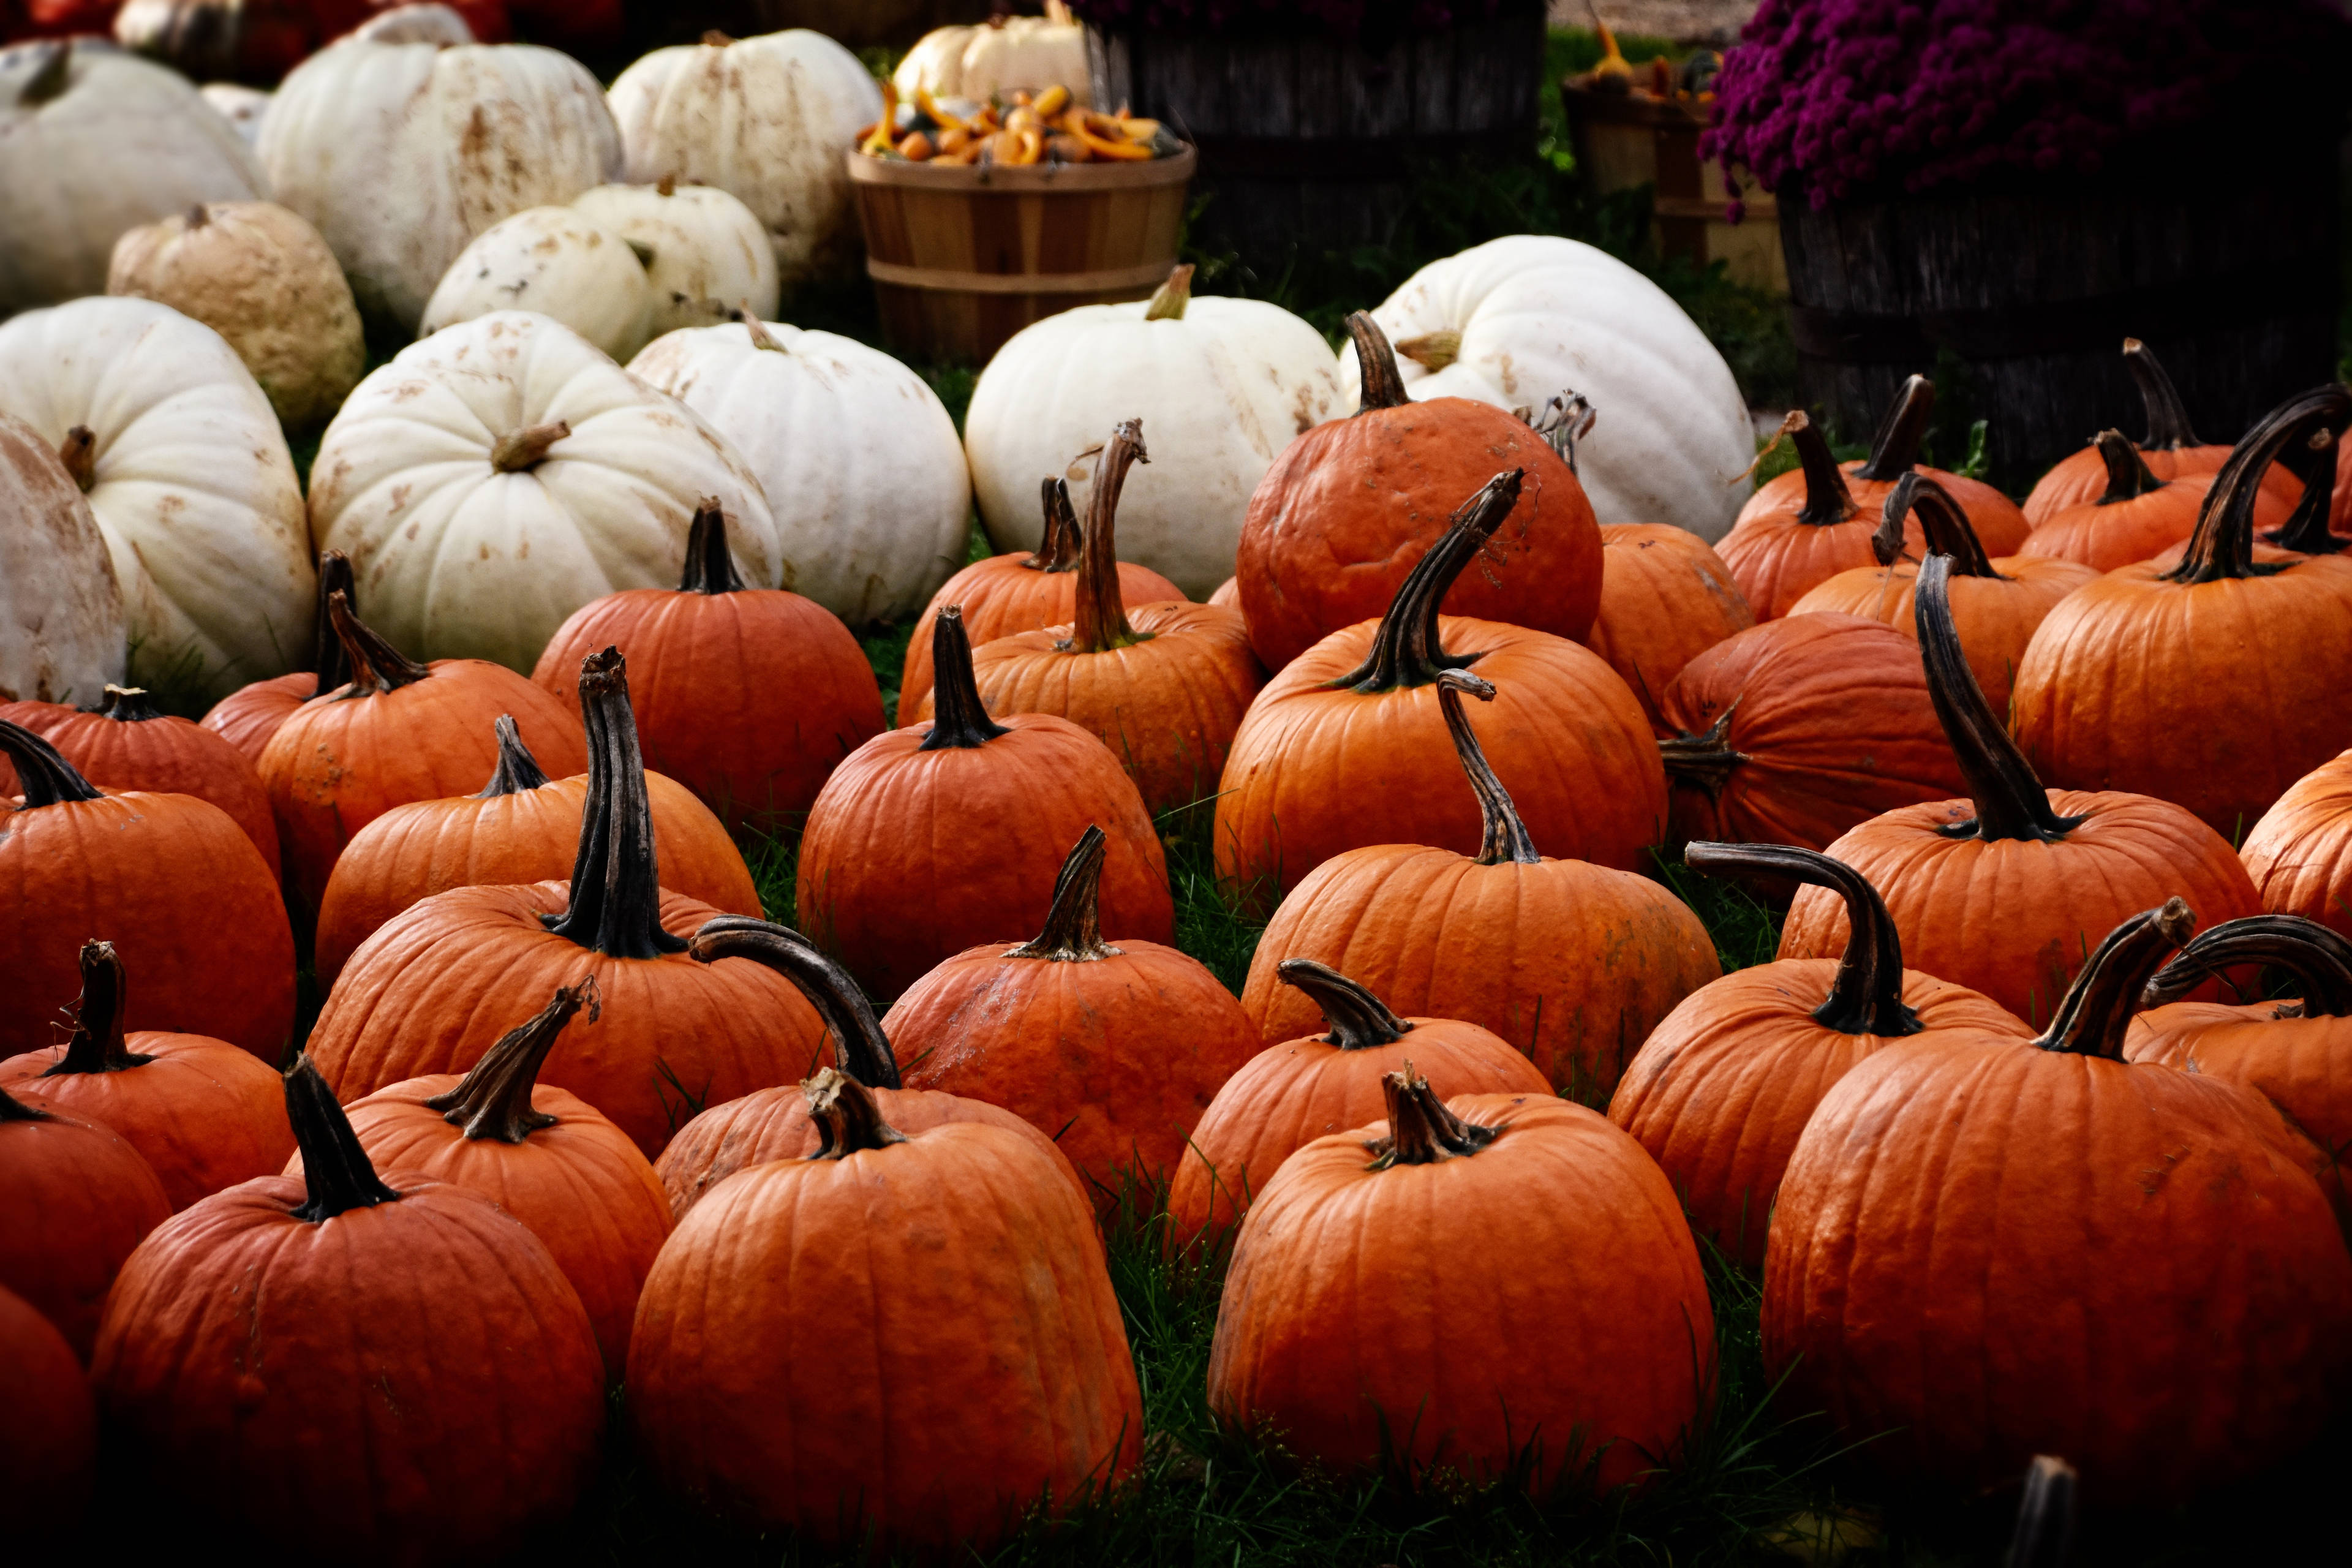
(1112, 1050)
(2215, 684)
(248, 716)
(773, 1123)
(48, 1445)
(2006, 891)
(1720, 1092)
(749, 696)
(170, 880)
(519, 827)
(336, 1366)
(75, 1199)
(1347, 746)
(1794, 731)
(1339, 1332)
(127, 743)
(1995, 605)
(1288, 1095)
(1353, 506)
(398, 731)
(416, 997)
(203, 1114)
(2300, 853)
(1984, 1252)
(541, 1153)
(1666, 598)
(937, 837)
(2137, 517)
(904, 1340)
(1570, 963)
(1016, 593)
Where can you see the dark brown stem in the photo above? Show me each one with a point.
(2167, 420)
(959, 719)
(2044, 1537)
(2224, 544)
(517, 770)
(1376, 365)
(199, 214)
(2098, 1008)
(44, 777)
(1058, 551)
(376, 666)
(52, 80)
(2317, 957)
(2307, 531)
(126, 705)
(859, 1046)
(615, 893)
(2128, 477)
(1422, 1131)
(1896, 447)
(519, 451)
(2010, 802)
(1359, 1020)
(1405, 649)
(79, 453)
(335, 1169)
(709, 564)
(1942, 519)
(1827, 499)
(1102, 609)
(847, 1121)
(493, 1101)
(327, 655)
(14, 1109)
(1503, 837)
(98, 1043)
(1705, 759)
(1168, 301)
(1072, 932)
(1866, 997)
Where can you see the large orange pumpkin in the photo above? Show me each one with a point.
(74, 1198)
(2137, 517)
(1721, 1089)
(747, 697)
(1351, 507)
(2300, 853)
(248, 716)
(48, 1445)
(2006, 891)
(1984, 1252)
(1666, 598)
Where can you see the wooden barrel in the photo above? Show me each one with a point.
(1625, 139)
(962, 257)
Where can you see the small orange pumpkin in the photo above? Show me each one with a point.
(2300, 853)
(75, 1199)
(2136, 518)
(1666, 598)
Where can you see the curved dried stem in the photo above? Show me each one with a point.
(44, 777)
(2097, 1008)
(1942, 520)
(1101, 617)
(493, 1101)
(1072, 932)
(1422, 1131)
(376, 666)
(1359, 1021)
(1866, 997)
(2318, 958)
(1896, 447)
(327, 655)
(847, 1119)
(1501, 836)
(1406, 650)
(99, 1043)
(2128, 477)
(959, 719)
(2167, 420)
(336, 1170)
(1058, 548)
(615, 891)
(1827, 499)
(1376, 365)
(858, 1042)
(2010, 802)
(517, 769)
(2224, 544)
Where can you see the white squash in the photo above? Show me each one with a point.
(766, 120)
(708, 255)
(859, 458)
(554, 261)
(502, 473)
(62, 636)
(240, 105)
(1517, 321)
(424, 24)
(93, 141)
(187, 474)
(262, 278)
(400, 153)
(1222, 387)
(998, 56)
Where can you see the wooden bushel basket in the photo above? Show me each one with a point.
(962, 257)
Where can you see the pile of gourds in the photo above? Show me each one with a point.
(1045, 127)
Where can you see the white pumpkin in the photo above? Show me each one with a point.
(1222, 387)
(424, 24)
(766, 120)
(187, 474)
(62, 635)
(1517, 321)
(708, 255)
(502, 473)
(998, 56)
(240, 105)
(554, 261)
(400, 153)
(262, 278)
(93, 141)
(861, 463)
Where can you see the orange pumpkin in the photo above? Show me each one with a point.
(248, 716)
(1227, 594)
(1666, 598)
(48, 1445)
(2136, 518)
(2309, 529)
(2300, 853)
(75, 1199)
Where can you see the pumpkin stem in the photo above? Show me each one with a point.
(2224, 544)
(615, 892)
(859, 1046)
(1359, 1020)
(847, 1119)
(1072, 932)
(1433, 350)
(1942, 519)
(14, 1109)
(1827, 499)
(79, 453)
(754, 328)
(198, 216)
(327, 655)
(1705, 759)
(2098, 1008)
(713, 38)
(337, 1171)
(1384, 384)
(98, 1043)
(518, 771)
(2320, 958)
(1102, 608)
(666, 186)
(2045, 1516)
(1866, 997)
(493, 1101)
(519, 451)
(2128, 477)
(2306, 532)
(126, 705)
(376, 664)
(959, 718)
(709, 564)
(51, 80)
(1896, 447)
(1405, 649)
(1503, 837)
(1422, 1131)
(1058, 551)
(43, 776)
(2010, 802)
(1168, 301)
(2168, 419)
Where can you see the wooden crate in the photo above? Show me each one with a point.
(1623, 140)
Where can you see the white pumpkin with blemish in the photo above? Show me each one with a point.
(240, 105)
(188, 475)
(1221, 387)
(766, 120)
(500, 473)
(62, 635)
(704, 253)
(859, 458)
(400, 153)
(1517, 321)
(557, 262)
(998, 56)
